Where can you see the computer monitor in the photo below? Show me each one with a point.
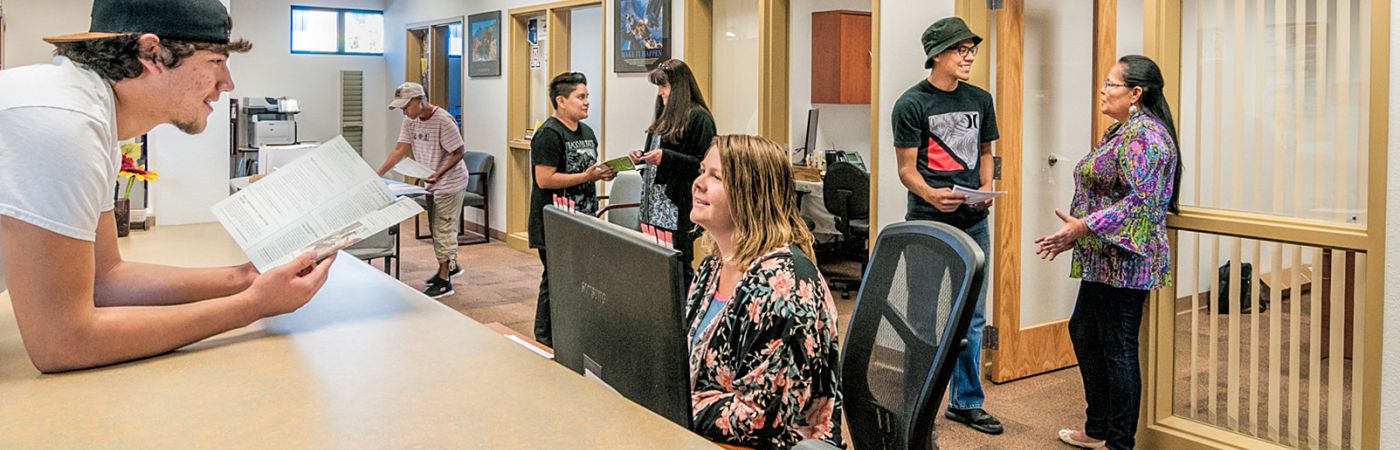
(616, 304)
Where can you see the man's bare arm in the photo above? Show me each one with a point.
(399, 152)
(50, 278)
(117, 282)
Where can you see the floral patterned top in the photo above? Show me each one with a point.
(765, 372)
(1122, 190)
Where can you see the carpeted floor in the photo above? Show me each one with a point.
(500, 284)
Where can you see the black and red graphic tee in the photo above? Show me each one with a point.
(948, 128)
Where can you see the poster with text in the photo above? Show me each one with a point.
(484, 44)
(643, 36)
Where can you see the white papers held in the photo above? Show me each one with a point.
(975, 197)
(409, 167)
(327, 200)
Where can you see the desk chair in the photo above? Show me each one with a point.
(623, 200)
(905, 334)
(480, 168)
(846, 194)
(384, 244)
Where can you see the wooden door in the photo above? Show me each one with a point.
(1047, 113)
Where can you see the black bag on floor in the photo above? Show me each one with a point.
(1246, 273)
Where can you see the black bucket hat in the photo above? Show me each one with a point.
(945, 33)
(182, 20)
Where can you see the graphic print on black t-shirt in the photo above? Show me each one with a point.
(567, 151)
(953, 142)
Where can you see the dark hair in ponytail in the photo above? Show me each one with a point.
(1140, 72)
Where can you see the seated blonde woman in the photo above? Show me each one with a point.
(762, 324)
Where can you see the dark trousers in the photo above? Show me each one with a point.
(543, 331)
(1104, 330)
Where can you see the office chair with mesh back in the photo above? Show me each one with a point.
(906, 332)
(846, 195)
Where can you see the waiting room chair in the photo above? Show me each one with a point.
(384, 244)
(480, 168)
(905, 334)
(480, 165)
(846, 195)
(623, 200)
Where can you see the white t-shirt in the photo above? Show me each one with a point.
(58, 148)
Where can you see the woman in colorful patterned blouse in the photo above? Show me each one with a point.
(1117, 228)
(763, 357)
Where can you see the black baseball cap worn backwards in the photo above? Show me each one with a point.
(181, 20)
(943, 34)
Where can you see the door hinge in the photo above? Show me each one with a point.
(989, 338)
(996, 168)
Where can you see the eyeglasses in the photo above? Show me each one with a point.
(1110, 84)
(965, 50)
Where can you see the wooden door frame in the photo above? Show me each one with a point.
(518, 174)
(1159, 427)
(1017, 351)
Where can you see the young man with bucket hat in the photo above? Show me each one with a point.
(943, 133)
(77, 303)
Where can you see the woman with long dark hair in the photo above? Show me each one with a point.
(1117, 226)
(677, 139)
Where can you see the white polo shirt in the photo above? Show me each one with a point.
(58, 148)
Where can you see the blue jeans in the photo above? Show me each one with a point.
(965, 388)
(1104, 330)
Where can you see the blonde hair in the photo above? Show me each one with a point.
(762, 199)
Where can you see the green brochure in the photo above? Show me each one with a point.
(620, 164)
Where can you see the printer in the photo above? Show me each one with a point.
(269, 120)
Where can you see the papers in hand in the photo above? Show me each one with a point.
(320, 203)
(409, 167)
(620, 164)
(975, 197)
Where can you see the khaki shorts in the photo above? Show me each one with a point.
(447, 213)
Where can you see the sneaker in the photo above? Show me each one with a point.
(457, 270)
(438, 288)
(977, 418)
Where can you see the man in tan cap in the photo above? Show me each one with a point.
(430, 133)
(77, 303)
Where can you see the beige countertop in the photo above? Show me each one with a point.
(368, 363)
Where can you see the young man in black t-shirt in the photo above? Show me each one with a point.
(564, 153)
(943, 133)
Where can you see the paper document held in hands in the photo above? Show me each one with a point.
(320, 203)
(975, 197)
(620, 164)
(409, 167)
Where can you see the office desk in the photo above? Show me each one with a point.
(368, 363)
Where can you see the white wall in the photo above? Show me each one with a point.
(844, 127)
(1390, 346)
(735, 80)
(28, 21)
(271, 70)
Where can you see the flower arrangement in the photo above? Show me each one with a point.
(132, 172)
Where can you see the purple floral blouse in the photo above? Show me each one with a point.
(764, 373)
(1122, 190)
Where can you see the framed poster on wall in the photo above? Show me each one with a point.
(484, 44)
(643, 35)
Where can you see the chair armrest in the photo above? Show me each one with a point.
(616, 206)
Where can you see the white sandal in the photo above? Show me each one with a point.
(1067, 436)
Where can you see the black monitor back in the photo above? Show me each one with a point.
(616, 305)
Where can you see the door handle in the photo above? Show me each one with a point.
(1053, 159)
